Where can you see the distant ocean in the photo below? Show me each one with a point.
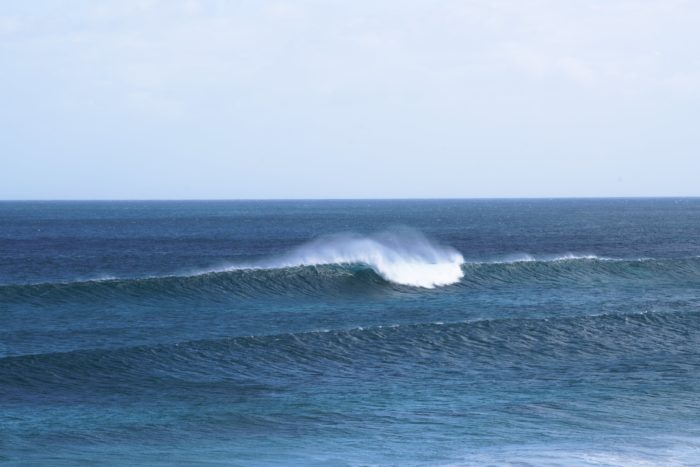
(452, 332)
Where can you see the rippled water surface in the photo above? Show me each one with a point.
(540, 332)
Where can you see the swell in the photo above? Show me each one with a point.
(581, 270)
(489, 345)
(355, 280)
(214, 286)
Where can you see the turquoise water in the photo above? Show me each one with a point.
(540, 332)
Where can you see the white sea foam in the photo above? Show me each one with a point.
(546, 258)
(668, 451)
(403, 256)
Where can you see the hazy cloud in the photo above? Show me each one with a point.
(471, 86)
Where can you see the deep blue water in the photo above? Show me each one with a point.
(541, 332)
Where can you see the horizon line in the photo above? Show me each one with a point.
(497, 198)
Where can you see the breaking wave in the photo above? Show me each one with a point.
(402, 256)
(399, 260)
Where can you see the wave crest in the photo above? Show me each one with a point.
(546, 258)
(403, 256)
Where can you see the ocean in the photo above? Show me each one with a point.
(398, 332)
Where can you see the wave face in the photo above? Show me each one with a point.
(337, 266)
(401, 255)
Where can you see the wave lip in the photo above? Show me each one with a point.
(401, 255)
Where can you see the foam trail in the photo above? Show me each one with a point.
(528, 258)
(403, 256)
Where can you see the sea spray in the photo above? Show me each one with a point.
(400, 255)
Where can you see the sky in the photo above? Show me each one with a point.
(186, 99)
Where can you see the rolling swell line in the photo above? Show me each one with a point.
(344, 279)
(582, 270)
(487, 342)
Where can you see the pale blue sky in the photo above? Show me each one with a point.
(351, 99)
